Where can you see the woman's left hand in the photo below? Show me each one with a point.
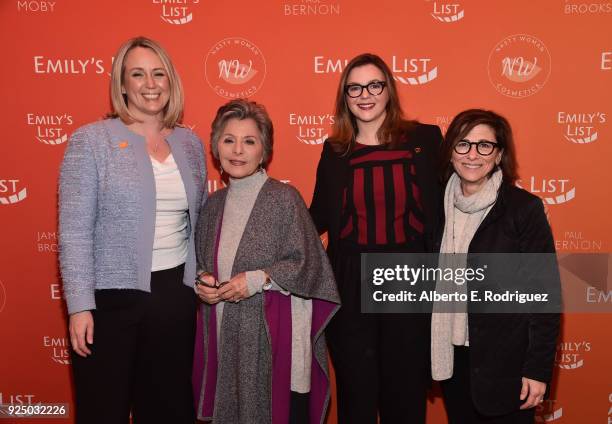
(235, 289)
(533, 391)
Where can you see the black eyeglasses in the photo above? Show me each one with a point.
(484, 148)
(374, 88)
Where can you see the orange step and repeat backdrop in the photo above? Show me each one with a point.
(546, 65)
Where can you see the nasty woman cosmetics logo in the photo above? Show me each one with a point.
(519, 66)
(235, 68)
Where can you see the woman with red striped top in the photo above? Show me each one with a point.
(376, 191)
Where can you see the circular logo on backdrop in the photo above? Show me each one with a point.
(2, 296)
(235, 68)
(519, 66)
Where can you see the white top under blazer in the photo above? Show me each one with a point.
(170, 241)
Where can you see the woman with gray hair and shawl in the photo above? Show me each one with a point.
(266, 287)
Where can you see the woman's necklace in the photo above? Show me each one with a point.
(156, 148)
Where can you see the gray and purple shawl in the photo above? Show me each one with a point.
(245, 376)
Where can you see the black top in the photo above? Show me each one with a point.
(333, 174)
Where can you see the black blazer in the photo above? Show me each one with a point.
(332, 175)
(506, 347)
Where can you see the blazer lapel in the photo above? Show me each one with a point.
(426, 174)
(339, 167)
(180, 157)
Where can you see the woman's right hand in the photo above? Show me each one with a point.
(81, 327)
(210, 294)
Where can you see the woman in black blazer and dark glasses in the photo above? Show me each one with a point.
(494, 368)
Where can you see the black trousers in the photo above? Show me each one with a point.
(381, 360)
(458, 397)
(298, 408)
(142, 355)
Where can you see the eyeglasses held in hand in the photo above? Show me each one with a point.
(374, 88)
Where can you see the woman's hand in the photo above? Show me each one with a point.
(81, 328)
(534, 391)
(208, 291)
(235, 289)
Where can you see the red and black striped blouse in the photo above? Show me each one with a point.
(382, 202)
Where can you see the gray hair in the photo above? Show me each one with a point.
(243, 109)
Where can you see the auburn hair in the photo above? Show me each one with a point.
(344, 129)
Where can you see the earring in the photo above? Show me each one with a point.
(221, 170)
(260, 168)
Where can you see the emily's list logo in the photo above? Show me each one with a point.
(58, 348)
(551, 191)
(235, 68)
(581, 127)
(548, 411)
(311, 129)
(606, 61)
(17, 399)
(12, 191)
(68, 66)
(413, 71)
(214, 185)
(570, 355)
(50, 129)
(447, 11)
(406, 70)
(519, 66)
(176, 12)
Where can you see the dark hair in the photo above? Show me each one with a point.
(243, 109)
(463, 123)
(344, 130)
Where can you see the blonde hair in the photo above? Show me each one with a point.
(173, 112)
